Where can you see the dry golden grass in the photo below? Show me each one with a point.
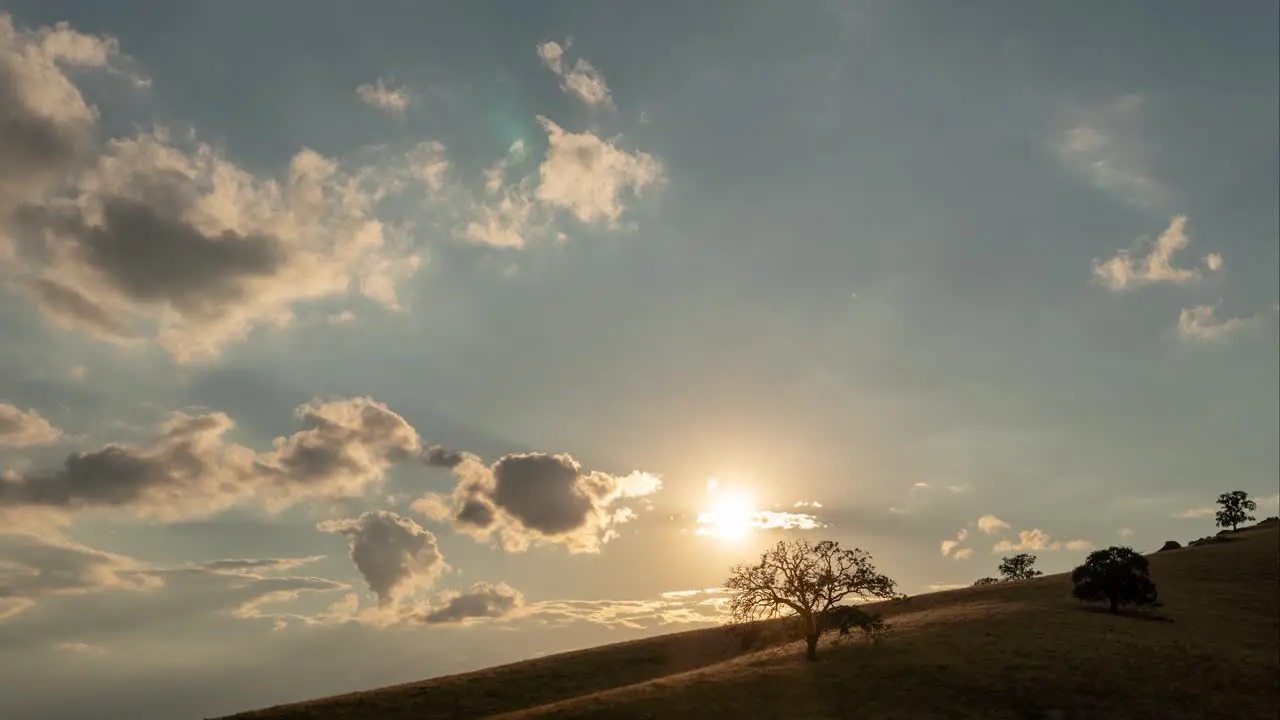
(1019, 650)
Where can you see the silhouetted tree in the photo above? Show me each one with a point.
(986, 581)
(1235, 508)
(1018, 567)
(847, 618)
(806, 580)
(1117, 575)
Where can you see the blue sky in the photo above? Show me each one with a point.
(934, 280)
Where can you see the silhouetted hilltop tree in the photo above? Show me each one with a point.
(986, 581)
(1236, 506)
(806, 580)
(1018, 567)
(1116, 575)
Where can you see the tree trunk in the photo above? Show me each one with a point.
(1115, 607)
(811, 646)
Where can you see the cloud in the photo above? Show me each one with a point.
(581, 80)
(24, 428)
(481, 600)
(80, 648)
(254, 566)
(188, 470)
(378, 94)
(952, 547)
(38, 566)
(525, 498)
(1201, 323)
(1197, 513)
(990, 524)
(686, 607)
(1102, 145)
(1124, 533)
(495, 176)
(938, 587)
(804, 503)
(144, 237)
(1124, 271)
(394, 555)
(591, 177)
(1037, 539)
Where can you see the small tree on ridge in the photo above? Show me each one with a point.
(806, 580)
(1018, 567)
(1235, 509)
(1117, 575)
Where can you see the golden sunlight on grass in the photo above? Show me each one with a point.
(1014, 651)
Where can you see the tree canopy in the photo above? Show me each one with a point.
(1236, 506)
(1116, 575)
(806, 580)
(1018, 567)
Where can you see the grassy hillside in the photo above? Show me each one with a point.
(1018, 650)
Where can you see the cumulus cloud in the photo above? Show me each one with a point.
(536, 497)
(1037, 539)
(380, 95)
(990, 524)
(393, 554)
(963, 554)
(189, 470)
(23, 428)
(146, 237)
(1202, 324)
(1124, 271)
(591, 177)
(581, 79)
(481, 600)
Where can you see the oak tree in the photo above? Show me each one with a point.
(805, 580)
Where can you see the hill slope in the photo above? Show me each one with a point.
(1019, 650)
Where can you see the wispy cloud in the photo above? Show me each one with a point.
(1102, 145)
(1199, 512)
(581, 79)
(1202, 324)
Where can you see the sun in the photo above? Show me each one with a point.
(731, 517)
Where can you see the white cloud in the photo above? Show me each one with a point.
(952, 547)
(1201, 323)
(948, 546)
(1124, 271)
(963, 554)
(581, 79)
(591, 177)
(1037, 539)
(24, 428)
(1124, 533)
(80, 648)
(990, 524)
(1197, 513)
(380, 95)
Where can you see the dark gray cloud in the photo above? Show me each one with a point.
(440, 456)
(23, 428)
(536, 497)
(481, 600)
(149, 228)
(189, 470)
(394, 555)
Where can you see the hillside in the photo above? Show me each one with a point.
(1019, 650)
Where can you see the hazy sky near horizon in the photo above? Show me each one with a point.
(350, 344)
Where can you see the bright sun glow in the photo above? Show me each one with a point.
(731, 517)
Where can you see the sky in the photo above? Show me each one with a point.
(353, 344)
